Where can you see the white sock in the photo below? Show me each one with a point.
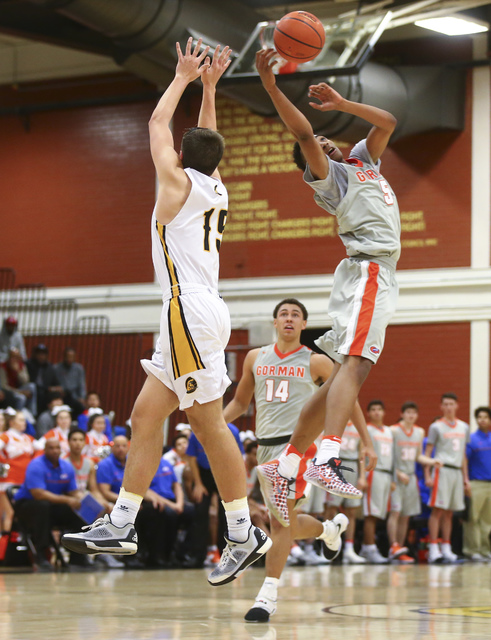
(348, 545)
(289, 462)
(369, 547)
(329, 529)
(446, 547)
(329, 448)
(238, 519)
(212, 548)
(269, 591)
(126, 508)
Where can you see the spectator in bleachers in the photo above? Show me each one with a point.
(176, 455)
(46, 420)
(184, 428)
(447, 437)
(15, 377)
(63, 422)
(204, 488)
(11, 337)
(95, 436)
(93, 404)
(7, 399)
(110, 471)
(3, 422)
(85, 473)
(17, 450)
(48, 499)
(71, 375)
(163, 512)
(43, 374)
(477, 527)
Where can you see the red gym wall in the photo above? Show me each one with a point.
(77, 195)
(78, 191)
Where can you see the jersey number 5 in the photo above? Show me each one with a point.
(388, 197)
(222, 219)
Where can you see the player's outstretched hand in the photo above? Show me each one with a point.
(329, 99)
(220, 63)
(189, 64)
(265, 61)
(370, 457)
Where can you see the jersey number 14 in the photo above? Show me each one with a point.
(282, 390)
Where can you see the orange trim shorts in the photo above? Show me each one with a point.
(362, 302)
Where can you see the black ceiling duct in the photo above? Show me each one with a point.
(145, 33)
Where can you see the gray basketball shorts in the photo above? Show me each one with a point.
(352, 477)
(448, 489)
(362, 302)
(405, 498)
(377, 494)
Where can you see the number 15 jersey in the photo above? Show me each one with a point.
(283, 384)
(185, 251)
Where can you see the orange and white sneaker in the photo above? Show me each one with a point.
(276, 490)
(405, 559)
(396, 551)
(328, 476)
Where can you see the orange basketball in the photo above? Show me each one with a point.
(299, 36)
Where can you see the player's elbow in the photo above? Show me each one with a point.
(391, 123)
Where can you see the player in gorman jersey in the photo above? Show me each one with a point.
(448, 437)
(364, 293)
(282, 377)
(405, 500)
(187, 369)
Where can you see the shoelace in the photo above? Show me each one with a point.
(227, 553)
(99, 522)
(337, 471)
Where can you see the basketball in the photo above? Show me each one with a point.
(299, 36)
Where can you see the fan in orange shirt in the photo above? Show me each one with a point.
(63, 423)
(95, 436)
(17, 450)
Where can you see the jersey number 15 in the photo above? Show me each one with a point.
(222, 219)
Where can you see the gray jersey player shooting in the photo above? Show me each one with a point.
(364, 292)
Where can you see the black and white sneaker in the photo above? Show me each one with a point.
(331, 537)
(261, 611)
(102, 536)
(237, 556)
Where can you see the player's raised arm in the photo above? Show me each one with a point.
(245, 389)
(190, 66)
(383, 122)
(210, 77)
(293, 118)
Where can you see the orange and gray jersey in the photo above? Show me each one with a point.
(364, 204)
(406, 447)
(350, 443)
(283, 384)
(383, 443)
(449, 441)
(185, 251)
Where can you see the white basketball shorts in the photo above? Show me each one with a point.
(362, 302)
(189, 357)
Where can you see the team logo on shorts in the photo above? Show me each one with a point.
(191, 385)
(375, 350)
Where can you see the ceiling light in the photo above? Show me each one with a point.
(453, 25)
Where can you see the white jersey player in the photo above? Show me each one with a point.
(405, 500)
(282, 377)
(447, 437)
(188, 367)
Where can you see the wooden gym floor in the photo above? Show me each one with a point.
(316, 603)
